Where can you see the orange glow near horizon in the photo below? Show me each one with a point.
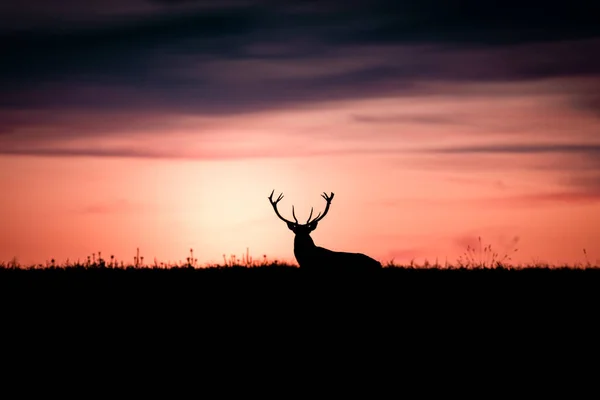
(206, 189)
(167, 207)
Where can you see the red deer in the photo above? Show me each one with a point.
(310, 256)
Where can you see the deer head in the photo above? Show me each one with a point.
(310, 225)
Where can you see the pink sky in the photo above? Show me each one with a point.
(165, 125)
(400, 194)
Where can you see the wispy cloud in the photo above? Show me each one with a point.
(568, 196)
(432, 119)
(583, 159)
(138, 68)
(186, 154)
(214, 59)
(591, 196)
(588, 149)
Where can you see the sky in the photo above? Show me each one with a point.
(165, 125)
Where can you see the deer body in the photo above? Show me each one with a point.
(312, 257)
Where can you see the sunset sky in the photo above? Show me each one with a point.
(165, 125)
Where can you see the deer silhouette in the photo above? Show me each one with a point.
(310, 256)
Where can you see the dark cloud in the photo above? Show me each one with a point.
(52, 126)
(217, 76)
(49, 149)
(566, 164)
(433, 119)
(541, 199)
(371, 21)
(589, 101)
(227, 57)
(589, 149)
(90, 152)
(587, 182)
(73, 14)
(582, 160)
(577, 168)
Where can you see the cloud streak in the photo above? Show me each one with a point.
(587, 149)
(408, 119)
(134, 68)
(249, 56)
(184, 154)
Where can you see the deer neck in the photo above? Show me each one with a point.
(303, 247)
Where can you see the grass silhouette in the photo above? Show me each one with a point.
(481, 257)
(480, 276)
(478, 257)
(244, 295)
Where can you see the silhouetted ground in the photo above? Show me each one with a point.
(236, 317)
(402, 284)
(412, 298)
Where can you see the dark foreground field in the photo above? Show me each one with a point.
(240, 318)
(243, 301)
(268, 285)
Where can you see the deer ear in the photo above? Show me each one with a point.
(290, 226)
(313, 226)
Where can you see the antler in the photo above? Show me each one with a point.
(274, 204)
(319, 216)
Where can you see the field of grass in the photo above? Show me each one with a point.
(482, 257)
(474, 272)
(278, 265)
(239, 298)
(479, 275)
